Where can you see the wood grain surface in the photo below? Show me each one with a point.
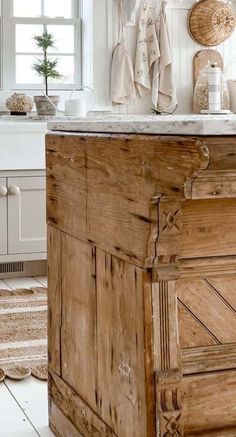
(142, 278)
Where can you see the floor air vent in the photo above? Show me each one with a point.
(12, 267)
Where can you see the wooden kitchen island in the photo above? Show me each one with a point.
(142, 284)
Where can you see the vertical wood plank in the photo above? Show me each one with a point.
(79, 356)
(149, 355)
(66, 183)
(167, 360)
(54, 299)
(121, 366)
(166, 342)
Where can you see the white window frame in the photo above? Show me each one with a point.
(8, 58)
(97, 48)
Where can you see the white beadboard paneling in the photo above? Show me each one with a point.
(184, 49)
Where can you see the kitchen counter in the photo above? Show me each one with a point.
(151, 124)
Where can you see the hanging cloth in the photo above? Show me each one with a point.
(122, 74)
(147, 53)
(164, 91)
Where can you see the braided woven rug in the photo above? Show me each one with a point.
(23, 333)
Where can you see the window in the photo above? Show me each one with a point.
(21, 20)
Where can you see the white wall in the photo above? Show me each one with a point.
(184, 49)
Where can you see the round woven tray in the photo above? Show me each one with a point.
(211, 22)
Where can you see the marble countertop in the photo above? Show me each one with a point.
(151, 124)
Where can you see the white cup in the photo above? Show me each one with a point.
(76, 108)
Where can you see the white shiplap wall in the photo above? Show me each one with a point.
(184, 49)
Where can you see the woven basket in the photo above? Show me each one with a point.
(211, 22)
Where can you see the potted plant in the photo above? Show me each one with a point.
(46, 68)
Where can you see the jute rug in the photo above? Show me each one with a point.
(23, 333)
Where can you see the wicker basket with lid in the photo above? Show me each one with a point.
(211, 22)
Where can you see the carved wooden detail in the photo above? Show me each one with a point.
(170, 220)
(170, 226)
(167, 360)
(169, 413)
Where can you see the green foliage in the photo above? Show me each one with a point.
(46, 67)
(45, 41)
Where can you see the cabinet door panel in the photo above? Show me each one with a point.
(3, 219)
(26, 215)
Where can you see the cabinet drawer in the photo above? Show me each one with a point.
(209, 228)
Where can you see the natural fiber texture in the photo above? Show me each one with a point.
(23, 333)
(211, 22)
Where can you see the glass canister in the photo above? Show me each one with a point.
(211, 93)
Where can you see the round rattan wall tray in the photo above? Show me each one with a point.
(211, 22)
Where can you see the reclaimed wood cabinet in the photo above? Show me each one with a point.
(142, 285)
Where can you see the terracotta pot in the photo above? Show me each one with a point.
(44, 107)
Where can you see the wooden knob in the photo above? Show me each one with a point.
(14, 190)
(3, 191)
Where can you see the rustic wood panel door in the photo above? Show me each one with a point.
(207, 333)
(26, 215)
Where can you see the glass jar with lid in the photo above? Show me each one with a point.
(211, 93)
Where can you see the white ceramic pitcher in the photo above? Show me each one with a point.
(79, 107)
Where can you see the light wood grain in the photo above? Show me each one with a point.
(60, 425)
(101, 186)
(76, 410)
(210, 403)
(149, 355)
(66, 186)
(142, 263)
(209, 309)
(120, 334)
(78, 331)
(209, 228)
(209, 359)
(125, 175)
(54, 299)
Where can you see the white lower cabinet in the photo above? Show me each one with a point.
(22, 217)
(26, 214)
(3, 216)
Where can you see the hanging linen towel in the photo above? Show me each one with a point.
(122, 73)
(164, 91)
(147, 53)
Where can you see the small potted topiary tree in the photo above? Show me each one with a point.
(46, 68)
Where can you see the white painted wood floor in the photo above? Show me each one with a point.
(23, 404)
